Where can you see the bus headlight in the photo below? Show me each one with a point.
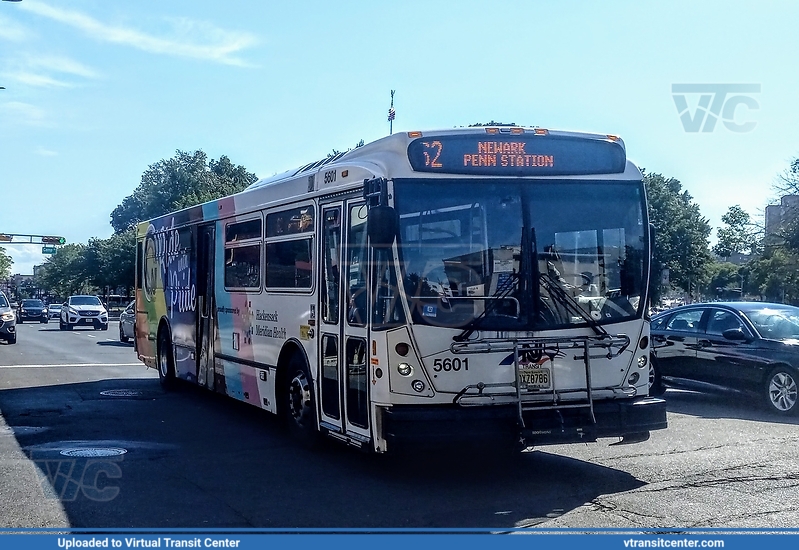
(634, 377)
(418, 386)
(404, 369)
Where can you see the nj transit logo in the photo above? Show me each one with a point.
(732, 103)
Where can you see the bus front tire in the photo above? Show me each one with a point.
(300, 409)
(166, 361)
(656, 388)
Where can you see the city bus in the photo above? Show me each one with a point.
(481, 285)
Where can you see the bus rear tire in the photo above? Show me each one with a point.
(166, 361)
(299, 403)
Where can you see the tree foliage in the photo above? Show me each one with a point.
(681, 235)
(5, 264)
(738, 235)
(168, 185)
(65, 272)
(172, 184)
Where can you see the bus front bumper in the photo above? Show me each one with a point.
(631, 419)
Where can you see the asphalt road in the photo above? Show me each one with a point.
(192, 459)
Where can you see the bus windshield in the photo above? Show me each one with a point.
(521, 255)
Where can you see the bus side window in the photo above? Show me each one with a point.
(357, 266)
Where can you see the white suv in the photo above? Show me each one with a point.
(83, 310)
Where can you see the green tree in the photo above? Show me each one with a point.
(681, 235)
(66, 272)
(185, 180)
(739, 235)
(724, 281)
(775, 277)
(110, 262)
(5, 264)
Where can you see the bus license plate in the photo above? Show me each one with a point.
(535, 379)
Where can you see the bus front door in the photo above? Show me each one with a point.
(205, 305)
(343, 369)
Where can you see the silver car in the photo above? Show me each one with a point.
(54, 311)
(126, 322)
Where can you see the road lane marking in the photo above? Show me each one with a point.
(70, 365)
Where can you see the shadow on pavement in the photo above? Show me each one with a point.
(194, 459)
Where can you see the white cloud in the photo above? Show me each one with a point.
(39, 80)
(214, 44)
(24, 112)
(46, 152)
(60, 64)
(38, 71)
(9, 30)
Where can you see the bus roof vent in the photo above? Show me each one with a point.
(320, 163)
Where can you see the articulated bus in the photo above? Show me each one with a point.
(479, 285)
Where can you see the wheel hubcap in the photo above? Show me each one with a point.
(782, 391)
(651, 375)
(162, 363)
(299, 398)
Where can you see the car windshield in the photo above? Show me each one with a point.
(54, 306)
(507, 255)
(32, 303)
(3, 301)
(778, 323)
(85, 301)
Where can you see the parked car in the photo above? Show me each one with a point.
(126, 320)
(745, 346)
(32, 310)
(8, 321)
(83, 310)
(54, 311)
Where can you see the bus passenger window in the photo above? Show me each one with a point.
(288, 264)
(243, 267)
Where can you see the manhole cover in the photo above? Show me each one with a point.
(121, 393)
(94, 452)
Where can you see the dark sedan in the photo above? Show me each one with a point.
(32, 310)
(745, 346)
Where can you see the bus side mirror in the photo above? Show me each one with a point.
(382, 225)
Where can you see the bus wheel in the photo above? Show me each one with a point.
(656, 388)
(166, 361)
(300, 408)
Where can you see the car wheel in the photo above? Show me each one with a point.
(61, 325)
(656, 388)
(781, 391)
(122, 337)
(12, 339)
(299, 403)
(104, 327)
(166, 361)
(20, 321)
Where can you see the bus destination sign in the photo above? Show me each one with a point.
(517, 155)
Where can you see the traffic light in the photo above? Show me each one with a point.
(5, 238)
(53, 240)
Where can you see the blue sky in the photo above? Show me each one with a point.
(97, 91)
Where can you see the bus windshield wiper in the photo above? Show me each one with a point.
(502, 292)
(554, 289)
